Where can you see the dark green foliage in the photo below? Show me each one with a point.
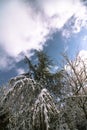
(4, 118)
(82, 125)
(41, 72)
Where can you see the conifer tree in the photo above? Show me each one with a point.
(41, 72)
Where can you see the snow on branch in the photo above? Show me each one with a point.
(44, 107)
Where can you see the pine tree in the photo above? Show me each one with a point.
(41, 72)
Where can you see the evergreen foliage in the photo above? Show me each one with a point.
(41, 72)
(4, 118)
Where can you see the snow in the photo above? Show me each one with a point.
(44, 105)
(26, 95)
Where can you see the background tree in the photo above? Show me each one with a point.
(75, 78)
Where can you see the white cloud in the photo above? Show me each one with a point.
(54, 68)
(6, 63)
(77, 22)
(27, 26)
(66, 33)
(83, 42)
(3, 62)
(22, 28)
(20, 31)
(85, 38)
(20, 71)
(79, 63)
(83, 55)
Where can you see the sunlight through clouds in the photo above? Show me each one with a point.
(28, 25)
(22, 28)
(19, 30)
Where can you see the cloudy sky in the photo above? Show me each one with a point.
(55, 26)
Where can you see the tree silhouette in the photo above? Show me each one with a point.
(4, 119)
(41, 72)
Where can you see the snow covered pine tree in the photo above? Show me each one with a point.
(30, 104)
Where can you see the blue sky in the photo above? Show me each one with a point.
(50, 25)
